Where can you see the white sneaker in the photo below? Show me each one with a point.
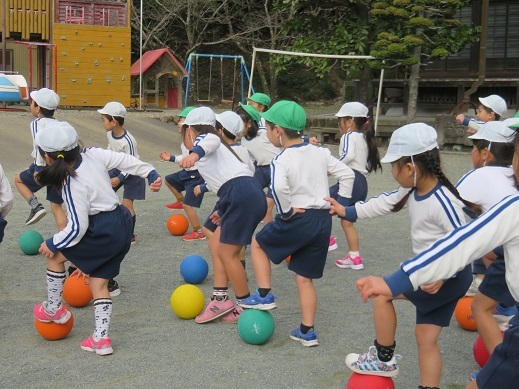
(474, 286)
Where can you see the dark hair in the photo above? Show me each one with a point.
(252, 131)
(48, 113)
(226, 132)
(291, 134)
(201, 129)
(503, 153)
(429, 164)
(365, 127)
(489, 110)
(56, 173)
(118, 119)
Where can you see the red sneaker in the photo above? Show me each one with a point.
(176, 205)
(192, 236)
(101, 347)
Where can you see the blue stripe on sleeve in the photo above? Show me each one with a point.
(448, 207)
(72, 214)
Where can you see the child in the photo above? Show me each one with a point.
(358, 150)
(490, 108)
(302, 227)
(435, 208)
(261, 102)
(241, 206)
(185, 180)
(260, 149)
(98, 231)
(44, 103)
(6, 201)
(498, 226)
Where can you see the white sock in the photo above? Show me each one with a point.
(103, 314)
(55, 281)
(354, 253)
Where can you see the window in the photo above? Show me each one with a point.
(8, 61)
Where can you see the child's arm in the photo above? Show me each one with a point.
(343, 173)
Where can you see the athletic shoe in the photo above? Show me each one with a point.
(257, 302)
(176, 205)
(308, 340)
(370, 364)
(192, 236)
(474, 286)
(504, 315)
(101, 347)
(134, 239)
(113, 288)
(350, 261)
(333, 244)
(474, 375)
(214, 310)
(61, 316)
(36, 215)
(232, 317)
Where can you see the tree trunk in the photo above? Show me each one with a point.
(413, 87)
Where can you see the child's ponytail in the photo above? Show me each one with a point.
(365, 127)
(56, 173)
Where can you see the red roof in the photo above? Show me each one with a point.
(150, 57)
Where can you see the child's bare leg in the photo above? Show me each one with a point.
(482, 308)
(229, 255)
(220, 276)
(192, 216)
(59, 215)
(270, 206)
(129, 205)
(307, 300)
(429, 356)
(175, 192)
(384, 318)
(207, 232)
(351, 235)
(56, 263)
(22, 188)
(99, 288)
(472, 385)
(261, 265)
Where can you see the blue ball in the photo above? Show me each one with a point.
(194, 269)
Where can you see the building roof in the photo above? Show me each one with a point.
(152, 56)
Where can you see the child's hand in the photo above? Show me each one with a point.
(313, 141)
(45, 250)
(460, 118)
(189, 161)
(471, 131)
(433, 287)
(155, 185)
(295, 211)
(165, 156)
(336, 208)
(78, 273)
(215, 218)
(197, 191)
(115, 182)
(372, 286)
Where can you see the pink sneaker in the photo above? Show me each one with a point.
(61, 316)
(333, 244)
(175, 205)
(232, 317)
(101, 347)
(350, 261)
(192, 236)
(214, 310)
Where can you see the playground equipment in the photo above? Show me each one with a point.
(13, 88)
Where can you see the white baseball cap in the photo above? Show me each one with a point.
(411, 139)
(495, 131)
(231, 121)
(45, 98)
(59, 136)
(495, 103)
(113, 108)
(200, 116)
(353, 109)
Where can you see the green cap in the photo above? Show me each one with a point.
(260, 98)
(185, 111)
(252, 112)
(287, 114)
(516, 114)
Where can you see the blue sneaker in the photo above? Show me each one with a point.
(308, 340)
(255, 301)
(474, 375)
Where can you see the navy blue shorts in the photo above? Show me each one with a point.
(241, 206)
(438, 308)
(305, 236)
(104, 245)
(27, 177)
(3, 224)
(478, 267)
(262, 176)
(208, 222)
(134, 187)
(187, 180)
(494, 283)
(359, 191)
(501, 369)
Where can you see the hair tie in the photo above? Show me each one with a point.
(60, 156)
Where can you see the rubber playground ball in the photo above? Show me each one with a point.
(480, 352)
(54, 331)
(187, 301)
(463, 314)
(255, 326)
(30, 242)
(194, 269)
(177, 224)
(364, 381)
(76, 291)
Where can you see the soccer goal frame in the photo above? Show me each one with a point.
(334, 56)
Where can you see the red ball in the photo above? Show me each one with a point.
(480, 351)
(177, 224)
(364, 381)
(76, 291)
(463, 314)
(54, 331)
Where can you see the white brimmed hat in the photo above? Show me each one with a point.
(231, 121)
(113, 108)
(353, 109)
(200, 116)
(495, 131)
(45, 98)
(495, 103)
(411, 139)
(59, 136)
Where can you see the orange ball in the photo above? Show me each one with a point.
(76, 291)
(54, 331)
(463, 314)
(177, 224)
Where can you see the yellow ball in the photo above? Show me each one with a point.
(187, 301)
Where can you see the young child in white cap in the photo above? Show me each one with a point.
(490, 108)
(44, 103)
(6, 201)
(435, 208)
(98, 231)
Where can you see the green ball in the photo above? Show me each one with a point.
(30, 242)
(255, 326)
